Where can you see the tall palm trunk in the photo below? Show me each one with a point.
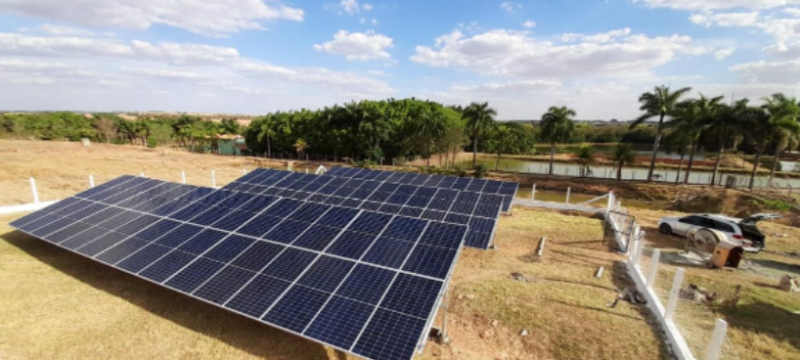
(475, 151)
(619, 172)
(719, 158)
(755, 167)
(775, 163)
(691, 162)
(680, 165)
(552, 156)
(655, 148)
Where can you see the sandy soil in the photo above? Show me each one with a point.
(57, 305)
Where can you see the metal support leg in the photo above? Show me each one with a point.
(444, 337)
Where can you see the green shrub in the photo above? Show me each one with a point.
(480, 171)
(778, 205)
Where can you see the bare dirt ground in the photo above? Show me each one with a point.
(57, 305)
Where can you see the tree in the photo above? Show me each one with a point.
(230, 126)
(557, 126)
(300, 145)
(480, 120)
(691, 117)
(623, 155)
(585, 157)
(661, 102)
(783, 113)
(678, 141)
(141, 129)
(429, 124)
(503, 138)
(761, 128)
(726, 121)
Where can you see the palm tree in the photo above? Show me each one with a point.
(557, 126)
(623, 155)
(782, 109)
(725, 122)
(300, 145)
(691, 117)
(502, 136)
(661, 102)
(267, 131)
(678, 141)
(230, 126)
(762, 127)
(584, 156)
(480, 119)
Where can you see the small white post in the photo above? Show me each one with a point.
(541, 246)
(91, 181)
(141, 174)
(651, 275)
(568, 191)
(639, 249)
(599, 273)
(673, 295)
(244, 171)
(306, 170)
(213, 180)
(610, 201)
(717, 339)
(183, 176)
(35, 193)
(533, 193)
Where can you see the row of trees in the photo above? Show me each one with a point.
(772, 123)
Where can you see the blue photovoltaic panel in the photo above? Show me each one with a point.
(506, 189)
(416, 201)
(364, 282)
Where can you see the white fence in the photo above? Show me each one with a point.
(644, 276)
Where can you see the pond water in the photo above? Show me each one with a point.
(608, 172)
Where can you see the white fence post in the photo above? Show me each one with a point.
(533, 193)
(568, 191)
(651, 275)
(541, 246)
(35, 193)
(91, 181)
(244, 171)
(183, 176)
(717, 339)
(610, 202)
(673, 295)
(213, 180)
(141, 174)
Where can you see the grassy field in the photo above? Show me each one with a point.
(57, 305)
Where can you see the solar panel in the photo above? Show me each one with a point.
(359, 281)
(479, 211)
(506, 189)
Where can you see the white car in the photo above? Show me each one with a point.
(739, 231)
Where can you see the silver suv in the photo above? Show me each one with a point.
(739, 231)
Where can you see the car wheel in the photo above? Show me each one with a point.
(665, 229)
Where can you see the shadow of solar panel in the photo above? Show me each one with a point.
(330, 274)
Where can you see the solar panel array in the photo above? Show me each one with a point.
(479, 211)
(506, 189)
(363, 282)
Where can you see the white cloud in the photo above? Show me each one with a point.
(723, 53)
(697, 5)
(74, 46)
(350, 6)
(508, 87)
(726, 19)
(213, 18)
(358, 46)
(529, 24)
(786, 51)
(166, 74)
(779, 72)
(321, 76)
(57, 30)
(374, 21)
(367, 7)
(510, 6)
(515, 53)
(599, 38)
(161, 92)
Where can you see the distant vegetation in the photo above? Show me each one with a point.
(372, 131)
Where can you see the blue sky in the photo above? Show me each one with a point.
(255, 56)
